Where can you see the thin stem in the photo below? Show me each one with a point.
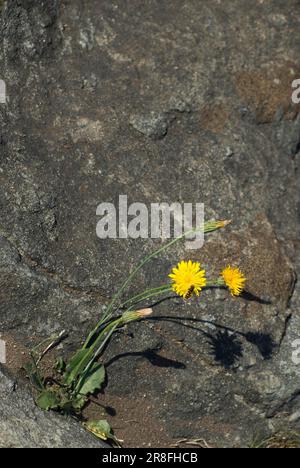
(106, 334)
(145, 293)
(110, 329)
(140, 266)
(209, 226)
(101, 342)
(157, 293)
(215, 283)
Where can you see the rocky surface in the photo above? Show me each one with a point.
(22, 425)
(162, 101)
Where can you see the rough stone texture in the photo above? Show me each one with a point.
(163, 101)
(22, 425)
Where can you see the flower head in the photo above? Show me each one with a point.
(211, 226)
(131, 316)
(234, 280)
(188, 279)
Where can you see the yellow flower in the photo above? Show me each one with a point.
(234, 280)
(188, 279)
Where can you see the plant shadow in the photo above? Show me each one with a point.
(152, 356)
(263, 341)
(225, 348)
(248, 296)
(225, 344)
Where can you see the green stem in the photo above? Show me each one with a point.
(42, 343)
(209, 226)
(108, 331)
(215, 283)
(144, 294)
(99, 343)
(149, 297)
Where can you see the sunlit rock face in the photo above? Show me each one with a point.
(163, 102)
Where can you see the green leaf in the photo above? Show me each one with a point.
(94, 380)
(60, 365)
(48, 400)
(79, 402)
(101, 429)
(34, 376)
(76, 365)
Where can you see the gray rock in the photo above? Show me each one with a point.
(81, 82)
(154, 126)
(23, 425)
